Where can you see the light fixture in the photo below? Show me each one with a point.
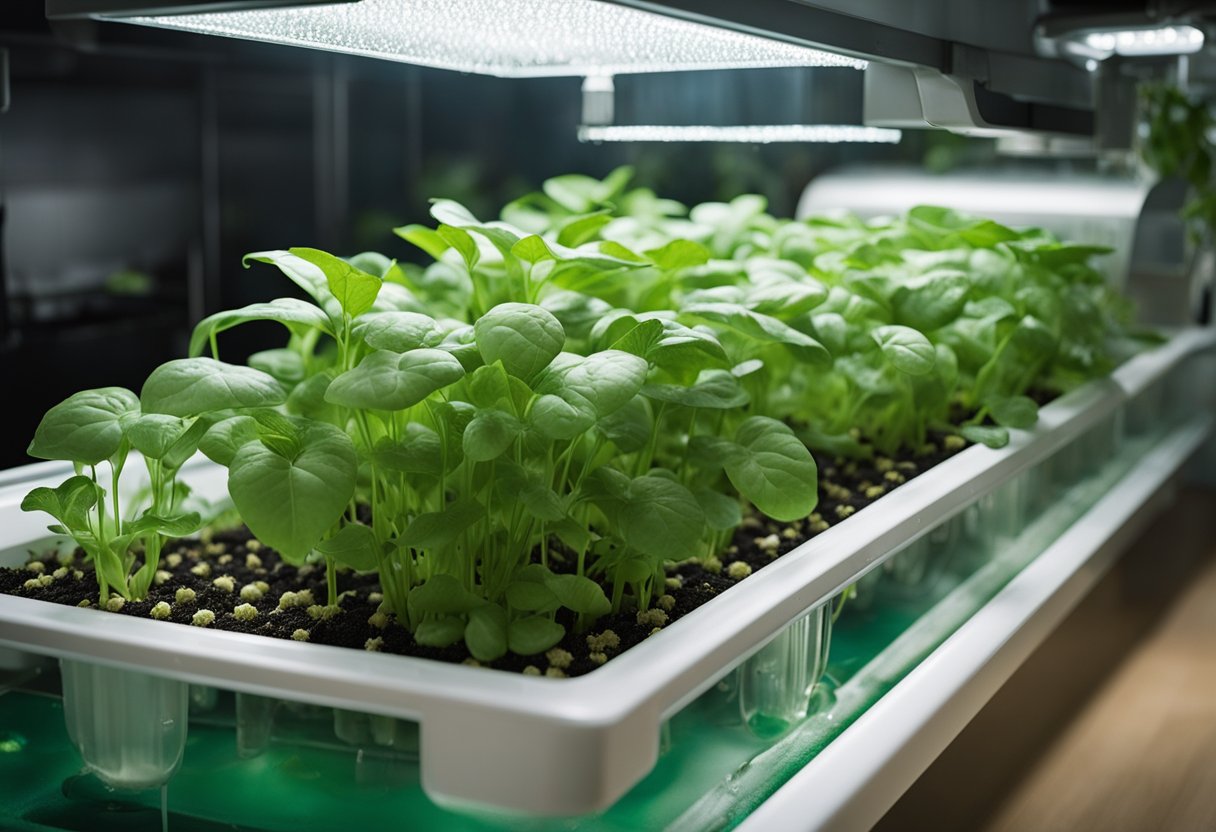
(508, 38)
(599, 113)
(1159, 40)
(749, 133)
(1097, 36)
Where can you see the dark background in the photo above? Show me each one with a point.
(137, 166)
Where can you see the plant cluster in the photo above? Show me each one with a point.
(570, 397)
(1176, 140)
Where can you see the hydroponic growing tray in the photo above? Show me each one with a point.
(572, 746)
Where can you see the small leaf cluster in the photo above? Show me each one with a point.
(102, 427)
(598, 383)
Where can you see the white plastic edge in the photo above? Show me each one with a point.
(852, 783)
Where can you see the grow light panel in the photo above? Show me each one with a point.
(749, 133)
(1158, 40)
(507, 38)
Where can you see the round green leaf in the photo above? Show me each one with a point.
(715, 389)
(531, 596)
(932, 300)
(354, 545)
(524, 337)
(420, 451)
(308, 398)
(833, 331)
(398, 331)
(460, 343)
(579, 594)
(630, 427)
(436, 529)
(722, 513)
(773, 469)
(226, 437)
(442, 594)
(1013, 411)
(490, 434)
(87, 427)
(289, 503)
(193, 386)
(555, 418)
(386, 380)
(908, 350)
(662, 518)
(287, 366)
(514, 483)
(440, 631)
(532, 635)
(489, 385)
(598, 384)
(152, 434)
(486, 633)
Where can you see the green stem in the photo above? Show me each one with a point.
(618, 593)
(115, 474)
(849, 592)
(685, 468)
(331, 581)
(646, 459)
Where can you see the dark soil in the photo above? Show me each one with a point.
(844, 488)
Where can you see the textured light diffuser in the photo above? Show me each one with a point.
(509, 38)
(744, 133)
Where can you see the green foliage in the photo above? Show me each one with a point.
(87, 427)
(291, 489)
(1177, 141)
(574, 395)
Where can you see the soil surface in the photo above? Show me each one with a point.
(844, 488)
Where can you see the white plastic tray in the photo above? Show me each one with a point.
(557, 746)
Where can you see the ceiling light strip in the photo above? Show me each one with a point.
(750, 133)
(1158, 40)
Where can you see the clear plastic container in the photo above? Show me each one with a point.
(129, 727)
(776, 684)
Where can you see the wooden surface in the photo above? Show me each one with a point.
(1111, 724)
(1142, 753)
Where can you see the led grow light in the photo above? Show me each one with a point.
(1159, 40)
(509, 38)
(750, 133)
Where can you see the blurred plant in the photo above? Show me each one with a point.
(129, 282)
(1176, 140)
